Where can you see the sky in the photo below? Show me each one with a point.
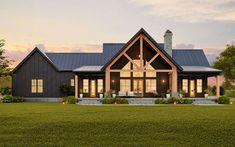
(84, 25)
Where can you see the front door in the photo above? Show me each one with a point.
(93, 88)
(138, 87)
(192, 88)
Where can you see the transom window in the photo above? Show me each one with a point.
(85, 85)
(185, 85)
(151, 85)
(37, 86)
(199, 85)
(125, 85)
(100, 85)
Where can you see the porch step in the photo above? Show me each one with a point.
(204, 101)
(141, 101)
(89, 101)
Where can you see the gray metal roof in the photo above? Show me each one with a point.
(199, 69)
(88, 69)
(71, 61)
(190, 57)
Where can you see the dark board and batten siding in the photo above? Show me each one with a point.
(36, 67)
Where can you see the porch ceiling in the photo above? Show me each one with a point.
(200, 69)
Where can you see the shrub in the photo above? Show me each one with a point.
(70, 100)
(160, 101)
(12, 99)
(230, 93)
(213, 90)
(188, 101)
(180, 101)
(5, 91)
(223, 100)
(67, 90)
(114, 101)
(172, 100)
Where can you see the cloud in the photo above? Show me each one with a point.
(184, 46)
(191, 10)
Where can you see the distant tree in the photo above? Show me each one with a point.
(5, 62)
(226, 62)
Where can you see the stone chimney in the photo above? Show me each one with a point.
(168, 42)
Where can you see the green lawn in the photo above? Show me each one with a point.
(55, 124)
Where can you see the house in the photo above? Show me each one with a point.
(141, 67)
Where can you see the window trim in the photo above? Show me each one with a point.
(183, 86)
(201, 86)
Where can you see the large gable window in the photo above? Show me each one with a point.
(151, 85)
(36, 86)
(126, 73)
(137, 73)
(125, 85)
(151, 73)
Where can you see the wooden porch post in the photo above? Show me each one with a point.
(174, 82)
(217, 86)
(76, 86)
(107, 78)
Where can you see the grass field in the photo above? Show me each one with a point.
(54, 124)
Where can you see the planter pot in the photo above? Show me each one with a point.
(206, 95)
(113, 95)
(181, 96)
(168, 96)
(101, 96)
(81, 95)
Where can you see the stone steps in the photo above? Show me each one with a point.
(89, 101)
(140, 101)
(204, 101)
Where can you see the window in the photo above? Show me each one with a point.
(34, 86)
(137, 73)
(37, 86)
(125, 85)
(185, 85)
(40, 86)
(126, 73)
(150, 73)
(72, 82)
(85, 85)
(199, 85)
(100, 85)
(151, 85)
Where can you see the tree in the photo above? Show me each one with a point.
(5, 62)
(226, 62)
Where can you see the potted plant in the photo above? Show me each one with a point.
(206, 93)
(182, 93)
(113, 94)
(168, 93)
(101, 94)
(81, 94)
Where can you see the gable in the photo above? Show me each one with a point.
(35, 54)
(130, 50)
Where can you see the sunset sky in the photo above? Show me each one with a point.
(83, 25)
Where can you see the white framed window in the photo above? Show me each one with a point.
(125, 85)
(37, 85)
(85, 85)
(199, 85)
(151, 85)
(72, 83)
(185, 85)
(100, 85)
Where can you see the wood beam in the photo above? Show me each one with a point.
(129, 58)
(148, 63)
(76, 86)
(157, 50)
(119, 56)
(174, 81)
(107, 78)
(217, 86)
(141, 52)
(140, 70)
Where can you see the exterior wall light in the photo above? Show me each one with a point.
(163, 81)
(113, 81)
